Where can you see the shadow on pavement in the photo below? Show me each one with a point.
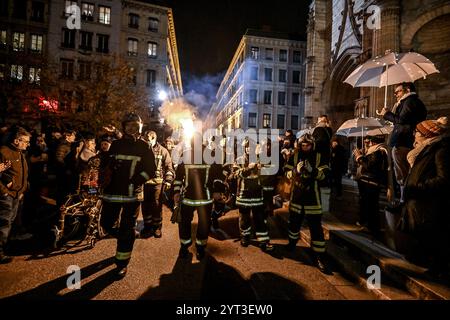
(50, 290)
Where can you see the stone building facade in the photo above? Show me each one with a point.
(343, 34)
(138, 32)
(262, 87)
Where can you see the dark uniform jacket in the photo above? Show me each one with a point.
(305, 191)
(196, 182)
(374, 166)
(164, 167)
(130, 164)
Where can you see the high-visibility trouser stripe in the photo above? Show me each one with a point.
(118, 198)
(177, 183)
(200, 242)
(176, 188)
(248, 199)
(318, 246)
(195, 203)
(185, 241)
(197, 166)
(289, 167)
(145, 175)
(254, 204)
(262, 236)
(294, 235)
(127, 157)
(313, 211)
(123, 255)
(322, 167)
(246, 232)
(268, 188)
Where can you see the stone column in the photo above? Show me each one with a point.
(386, 38)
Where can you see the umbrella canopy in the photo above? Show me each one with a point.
(302, 132)
(369, 132)
(358, 127)
(392, 68)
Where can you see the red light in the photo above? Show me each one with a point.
(48, 105)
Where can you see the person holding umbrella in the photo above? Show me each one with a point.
(406, 113)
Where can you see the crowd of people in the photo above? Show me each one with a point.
(136, 173)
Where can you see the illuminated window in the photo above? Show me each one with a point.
(36, 43)
(132, 47)
(152, 49)
(16, 72)
(104, 15)
(34, 75)
(18, 41)
(266, 120)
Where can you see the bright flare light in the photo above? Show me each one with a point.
(188, 128)
(162, 95)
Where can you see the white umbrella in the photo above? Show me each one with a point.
(357, 126)
(372, 132)
(392, 68)
(303, 131)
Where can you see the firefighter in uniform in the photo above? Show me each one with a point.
(269, 182)
(305, 170)
(193, 186)
(129, 165)
(153, 189)
(249, 200)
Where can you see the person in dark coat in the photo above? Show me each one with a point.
(407, 112)
(427, 193)
(374, 176)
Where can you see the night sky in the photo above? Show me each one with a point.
(208, 33)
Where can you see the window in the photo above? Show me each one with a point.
(252, 120)
(268, 74)
(281, 98)
(255, 53)
(16, 72)
(19, 9)
(34, 75)
(266, 120)
(151, 78)
(87, 11)
(36, 43)
(294, 122)
(153, 24)
(2, 39)
(267, 97)
(253, 95)
(102, 43)
(18, 41)
(67, 69)
(86, 41)
(295, 76)
(37, 11)
(282, 75)
(283, 55)
(297, 57)
(254, 73)
(269, 54)
(104, 15)
(280, 121)
(133, 21)
(152, 47)
(68, 38)
(4, 8)
(85, 70)
(132, 47)
(295, 99)
(69, 6)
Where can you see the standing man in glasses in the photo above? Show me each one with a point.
(13, 184)
(407, 112)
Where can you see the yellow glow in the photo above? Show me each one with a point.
(188, 128)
